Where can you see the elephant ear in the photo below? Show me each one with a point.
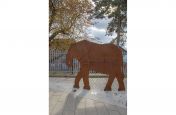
(83, 50)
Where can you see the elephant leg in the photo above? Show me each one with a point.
(109, 83)
(85, 75)
(120, 78)
(77, 80)
(86, 82)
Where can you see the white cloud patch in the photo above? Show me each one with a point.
(101, 23)
(98, 30)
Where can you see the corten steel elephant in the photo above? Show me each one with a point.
(102, 58)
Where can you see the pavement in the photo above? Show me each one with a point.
(61, 89)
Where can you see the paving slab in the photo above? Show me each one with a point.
(64, 101)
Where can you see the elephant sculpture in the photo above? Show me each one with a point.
(102, 58)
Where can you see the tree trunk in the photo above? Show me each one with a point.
(54, 35)
(118, 27)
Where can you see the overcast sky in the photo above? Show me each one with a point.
(98, 30)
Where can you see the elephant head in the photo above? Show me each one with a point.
(71, 54)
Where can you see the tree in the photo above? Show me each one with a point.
(117, 11)
(61, 44)
(67, 18)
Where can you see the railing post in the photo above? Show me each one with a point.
(72, 66)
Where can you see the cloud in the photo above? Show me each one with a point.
(101, 23)
(98, 30)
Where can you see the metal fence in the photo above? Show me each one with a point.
(57, 62)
